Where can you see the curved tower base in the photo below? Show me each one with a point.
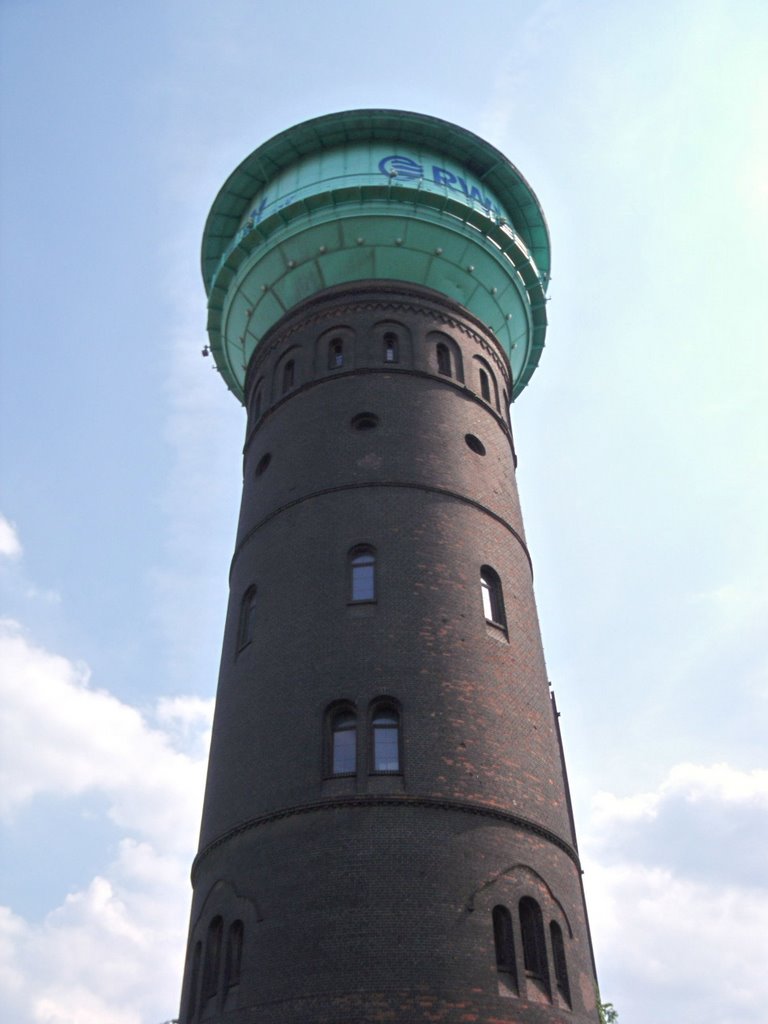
(386, 833)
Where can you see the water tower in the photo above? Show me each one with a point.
(387, 832)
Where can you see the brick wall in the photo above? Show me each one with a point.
(369, 897)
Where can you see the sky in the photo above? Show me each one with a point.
(641, 438)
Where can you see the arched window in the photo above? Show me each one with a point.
(558, 955)
(289, 376)
(390, 347)
(362, 574)
(194, 980)
(233, 963)
(485, 387)
(343, 759)
(257, 399)
(493, 602)
(534, 948)
(443, 359)
(385, 739)
(246, 629)
(335, 354)
(212, 963)
(504, 943)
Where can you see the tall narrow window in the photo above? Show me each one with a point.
(493, 603)
(247, 625)
(289, 375)
(194, 980)
(385, 737)
(558, 955)
(443, 359)
(362, 569)
(233, 963)
(505, 943)
(534, 948)
(212, 965)
(390, 347)
(335, 354)
(485, 387)
(343, 742)
(257, 399)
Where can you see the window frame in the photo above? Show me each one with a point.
(444, 367)
(247, 619)
(560, 962)
(233, 959)
(358, 592)
(485, 386)
(535, 962)
(335, 353)
(383, 706)
(258, 398)
(212, 961)
(194, 980)
(391, 344)
(288, 376)
(340, 710)
(492, 595)
(504, 943)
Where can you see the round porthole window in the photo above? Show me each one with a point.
(264, 461)
(364, 421)
(475, 444)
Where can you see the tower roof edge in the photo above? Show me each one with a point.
(330, 131)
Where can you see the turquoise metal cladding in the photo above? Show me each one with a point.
(363, 166)
(308, 211)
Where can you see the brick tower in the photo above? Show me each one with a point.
(386, 833)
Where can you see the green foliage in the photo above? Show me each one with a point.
(608, 1015)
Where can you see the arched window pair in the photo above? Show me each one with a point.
(383, 739)
(210, 958)
(535, 962)
(493, 599)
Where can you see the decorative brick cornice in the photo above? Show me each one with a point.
(355, 802)
(329, 305)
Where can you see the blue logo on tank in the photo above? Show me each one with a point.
(401, 167)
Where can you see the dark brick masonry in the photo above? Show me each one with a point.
(369, 897)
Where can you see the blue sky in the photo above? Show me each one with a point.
(642, 443)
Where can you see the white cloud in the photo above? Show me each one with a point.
(678, 897)
(10, 545)
(184, 713)
(670, 949)
(87, 740)
(689, 783)
(112, 952)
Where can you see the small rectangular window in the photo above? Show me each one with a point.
(344, 743)
(362, 566)
(386, 740)
(390, 347)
